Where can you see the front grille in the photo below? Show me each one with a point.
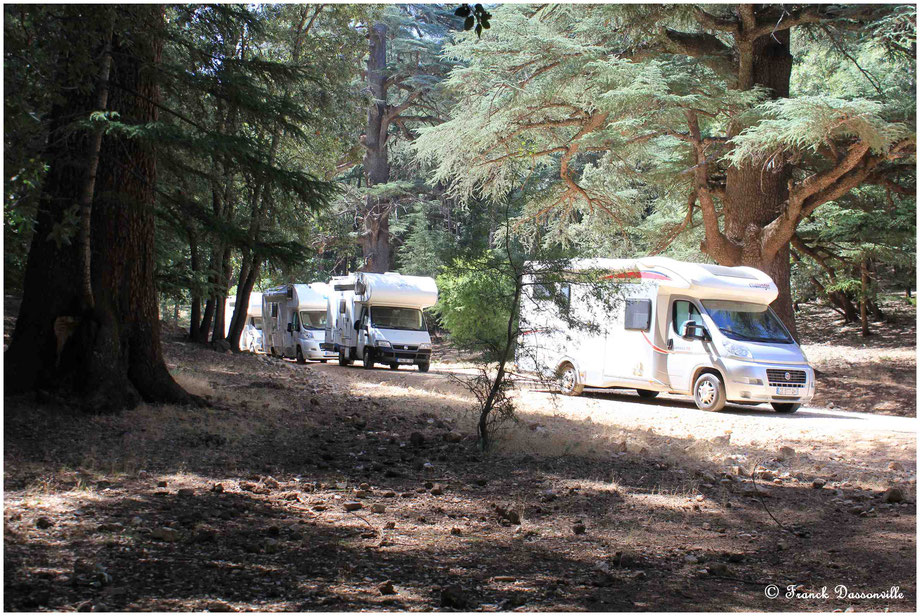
(405, 347)
(786, 378)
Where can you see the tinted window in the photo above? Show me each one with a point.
(313, 319)
(747, 321)
(397, 318)
(638, 314)
(685, 311)
(257, 322)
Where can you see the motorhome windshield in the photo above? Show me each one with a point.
(385, 317)
(747, 321)
(313, 319)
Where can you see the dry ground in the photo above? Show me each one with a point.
(601, 503)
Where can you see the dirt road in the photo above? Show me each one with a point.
(833, 442)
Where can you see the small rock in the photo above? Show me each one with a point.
(893, 495)
(719, 569)
(437, 490)
(352, 505)
(895, 466)
(831, 405)
(454, 596)
(417, 439)
(218, 488)
(185, 492)
(691, 559)
(364, 486)
(271, 483)
(162, 484)
(378, 508)
(389, 494)
(164, 533)
(220, 606)
(786, 453)
(390, 525)
(387, 588)
(818, 483)
(457, 532)
(579, 529)
(85, 606)
(360, 493)
(504, 578)
(452, 437)
(44, 522)
(272, 546)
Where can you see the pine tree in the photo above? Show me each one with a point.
(691, 101)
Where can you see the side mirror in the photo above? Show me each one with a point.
(357, 325)
(694, 330)
(290, 327)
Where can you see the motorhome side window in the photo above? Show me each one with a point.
(638, 314)
(296, 322)
(685, 311)
(543, 291)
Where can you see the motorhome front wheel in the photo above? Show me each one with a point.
(709, 392)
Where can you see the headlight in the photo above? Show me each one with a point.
(737, 350)
(425, 346)
(308, 335)
(384, 344)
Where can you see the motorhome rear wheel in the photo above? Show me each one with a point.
(709, 392)
(368, 359)
(785, 407)
(343, 361)
(647, 393)
(300, 358)
(394, 366)
(567, 380)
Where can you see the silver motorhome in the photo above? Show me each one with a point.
(686, 328)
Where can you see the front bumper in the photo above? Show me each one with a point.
(752, 382)
(389, 355)
(311, 350)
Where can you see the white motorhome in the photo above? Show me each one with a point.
(377, 318)
(687, 328)
(294, 318)
(251, 338)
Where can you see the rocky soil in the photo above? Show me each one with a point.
(326, 488)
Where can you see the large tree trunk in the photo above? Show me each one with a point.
(108, 357)
(248, 276)
(375, 240)
(755, 192)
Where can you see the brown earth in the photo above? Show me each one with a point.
(602, 503)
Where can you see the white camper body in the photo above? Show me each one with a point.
(294, 318)
(251, 337)
(686, 328)
(377, 318)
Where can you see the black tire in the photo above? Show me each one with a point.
(368, 359)
(567, 380)
(709, 392)
(648, 394)
(273, 352)
(343, 360)
(323, 361)
(424, 367)
(394, 366)
(785, 407)
(300, 358)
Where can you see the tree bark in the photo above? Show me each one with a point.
(109, 357)
(195, 309)
(864, 299)
(755, 193)
(375, 240)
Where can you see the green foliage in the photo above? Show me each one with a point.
(475, 298)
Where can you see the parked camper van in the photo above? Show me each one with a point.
(377, 318)
(294, 318)
(251, 338)
(688, 328)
